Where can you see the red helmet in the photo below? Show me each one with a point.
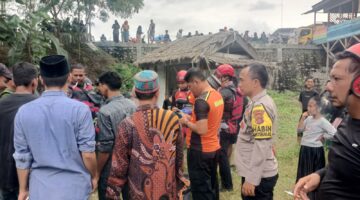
(225, 70)
(354, 49)
(180, 76)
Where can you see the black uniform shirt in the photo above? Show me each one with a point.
(341, 178)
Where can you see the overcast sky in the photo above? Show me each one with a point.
(211, 15)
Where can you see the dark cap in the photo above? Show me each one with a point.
(5, 72)
(54, 66)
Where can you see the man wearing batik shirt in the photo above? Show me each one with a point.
(148, 151)
(116, 108)
(255, 159)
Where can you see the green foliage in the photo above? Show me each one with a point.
(126, 72)
(26, 37)
(124, 8)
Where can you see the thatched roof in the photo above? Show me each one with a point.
(209, 47)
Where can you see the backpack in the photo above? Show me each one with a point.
(237, 112)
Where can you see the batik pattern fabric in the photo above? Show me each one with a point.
(148, 155)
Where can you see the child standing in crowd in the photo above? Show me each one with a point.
(314, 128)
(305, 96)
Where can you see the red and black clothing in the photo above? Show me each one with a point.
(227, 138)
(180, 99)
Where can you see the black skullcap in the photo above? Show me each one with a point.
(54, 66)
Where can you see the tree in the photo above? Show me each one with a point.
(27, 38)
(89, 9)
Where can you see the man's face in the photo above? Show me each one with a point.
(78, 75)
(246, 84)
(340, 81)
(309, 84)
(182, 85)
(3, 83)
(194, 87)
(102, 89)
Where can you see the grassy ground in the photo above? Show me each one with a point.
(286, 146)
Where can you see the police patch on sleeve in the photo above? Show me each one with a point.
(261, 123)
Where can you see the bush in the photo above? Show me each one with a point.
(127, 72)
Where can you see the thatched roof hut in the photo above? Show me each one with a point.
(219, 48)
(205, 52)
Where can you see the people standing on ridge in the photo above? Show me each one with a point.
(138, 34)
(102, 38)
(116, 32)
(179, 34)
(151, 32)
(167, 37)
(125, 31)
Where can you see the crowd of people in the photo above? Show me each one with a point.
(125, 36)
(151, 38)
(76, 137)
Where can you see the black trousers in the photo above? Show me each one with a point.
(224, 163)
(202, 169)
(6, 194)
(265, 190)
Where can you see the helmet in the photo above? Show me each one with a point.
(180, 76)
(354, 49)
(225, 70)
(355, 83)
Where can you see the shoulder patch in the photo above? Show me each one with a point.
(261, 123)
(219, 102)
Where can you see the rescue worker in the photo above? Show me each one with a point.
(229, 123)
(180, 99)
(339, 180)
(202, 141)
(255, 159)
